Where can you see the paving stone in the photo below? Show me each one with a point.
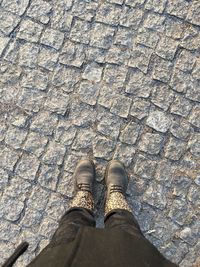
(134, 3)
(38, 199)
(28, 54)
(35, 79)
(156, 6)
(120, 2)
(159, 121)
(47, 58)
(193, 92)
(154, 22)
(125, 153)
(12, 52)
(3, 128)
(180, 212)
(103, 147)
(84, 9)
(61, 19)
(29, 31)
(130, 133)
(57, 102)
(117, 55)
(3, 179)
(8, 230)
(180, 128)
(181, 82)
(108, 124)
(11, 208)
(31, 99)
(174, 149)
(93, 72)
(65, 133)
(80, 32)
(181, 185)
(106, 96)
(3, 44)
(15, 137)
(174, 28)
(162, 70)
(140, 58)
(165, 229)
(82, 114)
(32, 218)
(96, 54)
(164, 173)
(177, 8)
(35, 143)
(109, 14)
(147, 37)
(9, 158)
(194, 13)
(189, 235)
(88, 92)
(181, 106)
(27, 167)
(140, 108)
(19, 120)
(194, 144)
(56, 206)
(185, 61)
(139, 84)
(48, 227)
(18, 188)
(52, 38)
(124, 37)
(194, 117)
(65, 78)
(121, 106)
(55, 153)
(14, 6)
(83, 140)
(167, 48)
(196, 70)
(102, 35)
(72, 54)
(40, 10)
(66, 185)
(131, 17)
(155, 196)
(193, 196)
(190, 38)
(151, 143)
(72, 160)
(162, 96)
(44, 123)
(114, 75)
(8, 22)
(144, 167)
(171, 247)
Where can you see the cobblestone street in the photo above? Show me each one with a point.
(104, 79)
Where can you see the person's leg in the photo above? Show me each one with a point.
(80, 213)
(118, 213)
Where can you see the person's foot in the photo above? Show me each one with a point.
(84, 175)
(116, 179)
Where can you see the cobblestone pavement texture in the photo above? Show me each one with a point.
(107, 79)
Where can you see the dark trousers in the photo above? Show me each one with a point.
(75, 218)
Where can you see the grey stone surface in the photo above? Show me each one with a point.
(106, 80)
(159, 121)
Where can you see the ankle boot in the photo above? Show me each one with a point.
(84, 176)
(116, 180)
